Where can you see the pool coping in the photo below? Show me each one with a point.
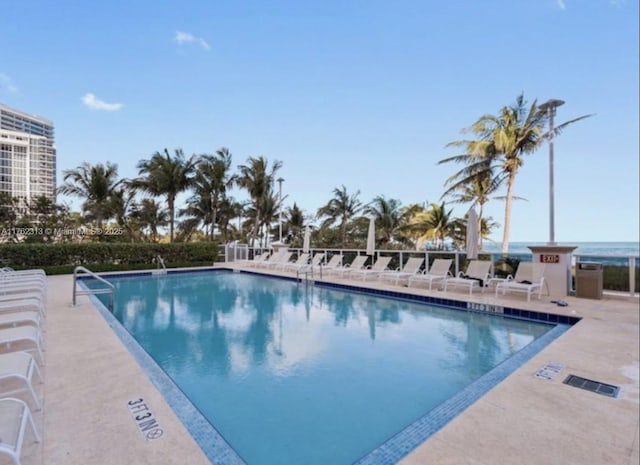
(397, 447)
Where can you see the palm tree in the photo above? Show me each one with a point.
(294, 223)
(342, 207)
(150, 214)
(258, 179)
(96, 184)
(168, 176)
(212, 179)
(502, 141)
(437, 224)
(387, 215)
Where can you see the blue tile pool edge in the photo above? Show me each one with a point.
(212, 443)
(218, 451)
(407, 440)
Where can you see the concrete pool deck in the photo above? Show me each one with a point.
(90, 377)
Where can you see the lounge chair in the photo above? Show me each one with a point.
(16, 317)
(358, 263)
(303, 259)
(255, 260)
(332, 265)
(14, 416)
(378, 267)
(20, 302)
(315, 261)
(20, 334)
(278, 260)
(475, 276)
(21, 366)
(528, 279)
(273, 258)
(410, 268)
(438, 272)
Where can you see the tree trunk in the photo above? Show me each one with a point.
(171, 202)
(507, 213)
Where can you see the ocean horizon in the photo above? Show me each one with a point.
(621, 248)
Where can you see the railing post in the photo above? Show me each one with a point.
(632, 276)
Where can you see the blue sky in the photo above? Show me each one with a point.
(362, 93)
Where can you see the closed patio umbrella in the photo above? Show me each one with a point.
(371, 237)
(472, 234)
(306, 243)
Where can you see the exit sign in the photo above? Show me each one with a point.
(549, 258)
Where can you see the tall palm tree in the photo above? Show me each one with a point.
(387, 215)
(502, 142)
(258, 179)
(213, 178)
(342, 208)
(96, 185)
(166, 175)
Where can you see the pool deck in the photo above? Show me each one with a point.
(90, 377)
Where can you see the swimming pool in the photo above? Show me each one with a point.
(289, 373)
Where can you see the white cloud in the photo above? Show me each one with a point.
(7, 84)
(188, 38)
(95, 103)
(561, 4)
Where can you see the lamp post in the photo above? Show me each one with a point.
(550, 107)
(280, 181)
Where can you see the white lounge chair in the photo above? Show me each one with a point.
(303, 259)
(22, 334)
(14, 417)
(475, 276)
(378, 267)
(438, 272)
(278, 260)
(528, 279)
(270, 259)
(315, 261)
(358, 263)
(20, 302)
(20, 366)
(256, 260)
(332, 265)
(410, 268)
(17, 317)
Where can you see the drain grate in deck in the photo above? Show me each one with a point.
(593, 386)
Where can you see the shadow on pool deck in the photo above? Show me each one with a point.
(90, 376)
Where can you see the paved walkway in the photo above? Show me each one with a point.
(90, 377)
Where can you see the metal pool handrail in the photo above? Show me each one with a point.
(110, 289)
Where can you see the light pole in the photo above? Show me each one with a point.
(280, 181)
(550, 107)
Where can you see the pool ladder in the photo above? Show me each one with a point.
(161, 268)
(110, 289)
(305, 273)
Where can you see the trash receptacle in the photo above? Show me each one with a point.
(589, 280)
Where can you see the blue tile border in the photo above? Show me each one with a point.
(400, 445)
(218, 451)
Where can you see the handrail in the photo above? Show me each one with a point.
(110, 287)
(160, 263)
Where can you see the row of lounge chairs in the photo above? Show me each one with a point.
(22, 313)
(528, 279)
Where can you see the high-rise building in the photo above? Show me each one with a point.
(27, 155)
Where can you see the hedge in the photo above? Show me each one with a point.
(100, 256)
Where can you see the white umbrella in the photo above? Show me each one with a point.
(306, 244)
(371, 237)
(472, 234)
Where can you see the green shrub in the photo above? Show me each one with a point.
(100, 256)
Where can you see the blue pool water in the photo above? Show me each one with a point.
(295, 374)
